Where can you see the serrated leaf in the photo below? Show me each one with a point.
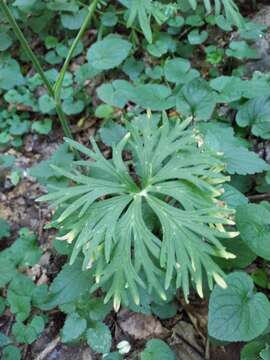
(176, 69)
(197, 99)
(253, 223)
(116, 93)
(237, 313)
(73, 21)
(256, 114)
(20, 305)
(70, 283)
(157, 349)
(108, 53)
(11, 352)
(44, 171)
(241, 50)
(30, 332)
(153, 96)
(238, 159)
(105, 207)
(74, 327)
(99, 338)
(10, 73)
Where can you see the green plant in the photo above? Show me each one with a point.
(53, 91)
(176, 184)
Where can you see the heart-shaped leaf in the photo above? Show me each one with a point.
(237, 313)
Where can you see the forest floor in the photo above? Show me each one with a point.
(186, 332)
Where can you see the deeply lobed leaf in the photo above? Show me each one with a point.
(105, 212)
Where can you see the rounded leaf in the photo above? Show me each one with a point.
(157, 349)
(108, 53)
(99, 338)
(73, 328)
(237, 313)
(253, 222)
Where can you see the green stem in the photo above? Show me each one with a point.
(26, 46)
(54, 91)
(59, 82)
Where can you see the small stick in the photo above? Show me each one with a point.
(259, 197)
(49, 348)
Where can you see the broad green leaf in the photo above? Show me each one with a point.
(112, 133)
(85, 72)
(116, 94)
(197, 99)
(98, 310)
(72, 107)
(239, 160)
(164, 43)
(153, 96)
(7, 270)
(260, 278)
(10, 73)
(241, 50)
(196, 38)
(5, 41)
(251, 351)
(4, 340)
(99, 338)
(46, 104)
(109, 18)
(20, 305)
(256, 114)
(104, 111)
(165, 311)
(243, 255)
(73, 328)
(11, 352)
(133, 68)
(157, 349)
(19, 127)
(108, 53)
(73, 21)
(253, 223)
(44, 171)
(237, 313)
(176, 70)
(42, 126)
(265, 353)
(70, 283)
(233, 197)
(25, 250)
(30, 332)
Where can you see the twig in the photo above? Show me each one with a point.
(49, 348)
(259, 197)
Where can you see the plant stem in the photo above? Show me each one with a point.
(54, 91)
(26, 46)
(59, 82)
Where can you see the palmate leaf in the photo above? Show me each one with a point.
(144, 10)
(230, 9)
(104, 212)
